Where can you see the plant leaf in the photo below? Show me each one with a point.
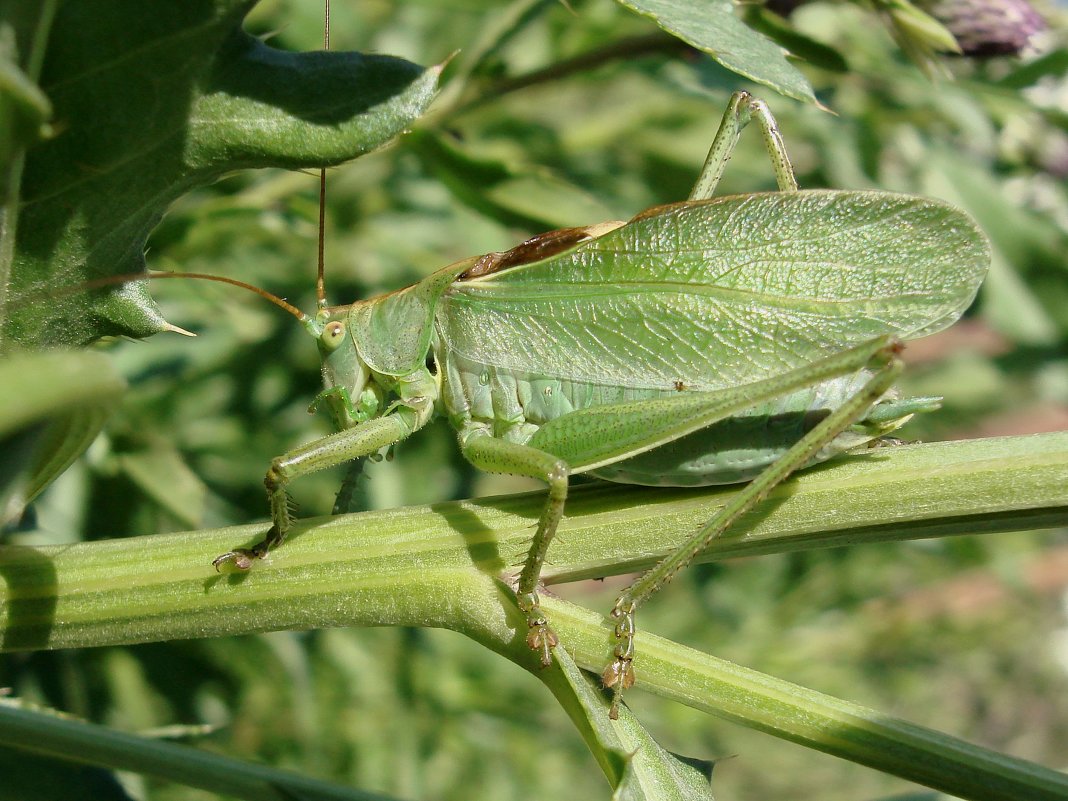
(637, 767)
(531, 198)
(24, 109)
(53, 737)
(712, 27)
(151, 102)
(52, 405)
(28, 775)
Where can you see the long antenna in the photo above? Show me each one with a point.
(320, 282)
(127, 278)
(263, 293)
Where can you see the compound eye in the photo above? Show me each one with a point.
(333, 335)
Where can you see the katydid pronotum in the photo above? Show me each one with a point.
(712, 341)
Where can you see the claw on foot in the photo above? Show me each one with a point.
(540, 637)
(619, 675)
(240, 560)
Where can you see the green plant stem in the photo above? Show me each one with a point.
(440, 566)
(819, 721)
(629, 47)
(49, 735)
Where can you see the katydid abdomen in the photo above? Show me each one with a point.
(513, 405)
(740, 448)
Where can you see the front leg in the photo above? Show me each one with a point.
(353, 443)
(500, 456)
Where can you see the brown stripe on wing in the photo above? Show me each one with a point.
(537, 248)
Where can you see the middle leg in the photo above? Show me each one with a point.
(500, 456)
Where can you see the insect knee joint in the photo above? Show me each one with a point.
(276, 476)
(624, 606)
(528, 601)
(557, 478)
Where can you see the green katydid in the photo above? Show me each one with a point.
(712, 341)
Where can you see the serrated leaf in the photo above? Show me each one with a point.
(151, 101)
(712, 27)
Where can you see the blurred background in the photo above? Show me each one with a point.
(587, 112)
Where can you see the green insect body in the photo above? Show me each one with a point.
(712, 341)
(478, 333)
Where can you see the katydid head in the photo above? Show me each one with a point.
(349, 389)
(345, 374)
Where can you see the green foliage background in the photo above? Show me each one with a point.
(962, 634)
